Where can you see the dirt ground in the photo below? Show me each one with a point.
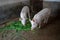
(50, 32)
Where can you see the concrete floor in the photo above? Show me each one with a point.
(49, 32)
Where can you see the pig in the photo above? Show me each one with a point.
(41, 16)
(23, 14)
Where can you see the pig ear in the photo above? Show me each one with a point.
(33, 20)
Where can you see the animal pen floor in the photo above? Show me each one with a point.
(50, 32)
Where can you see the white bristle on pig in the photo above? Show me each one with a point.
(23, 14)
(42, 15)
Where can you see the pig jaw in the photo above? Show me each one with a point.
(23, 22)
(33, 25)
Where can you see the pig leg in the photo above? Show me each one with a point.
(39, 25)
(46, 20)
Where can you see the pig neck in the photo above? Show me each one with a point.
(37, 18)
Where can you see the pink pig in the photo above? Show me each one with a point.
(23, 14)
(42, 15)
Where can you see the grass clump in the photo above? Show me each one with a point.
(17, 25)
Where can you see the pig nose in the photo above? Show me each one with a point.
(23, 24)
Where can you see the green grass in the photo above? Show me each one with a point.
(17, 25)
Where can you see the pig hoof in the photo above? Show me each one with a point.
(39, 27)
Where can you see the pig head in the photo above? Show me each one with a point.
(33, 24)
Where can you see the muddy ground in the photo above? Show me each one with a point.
(50, 32)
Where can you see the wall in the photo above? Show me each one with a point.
(54, 5)
(5, 2)
(36, 6)
(9, 8)
(52, 0)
